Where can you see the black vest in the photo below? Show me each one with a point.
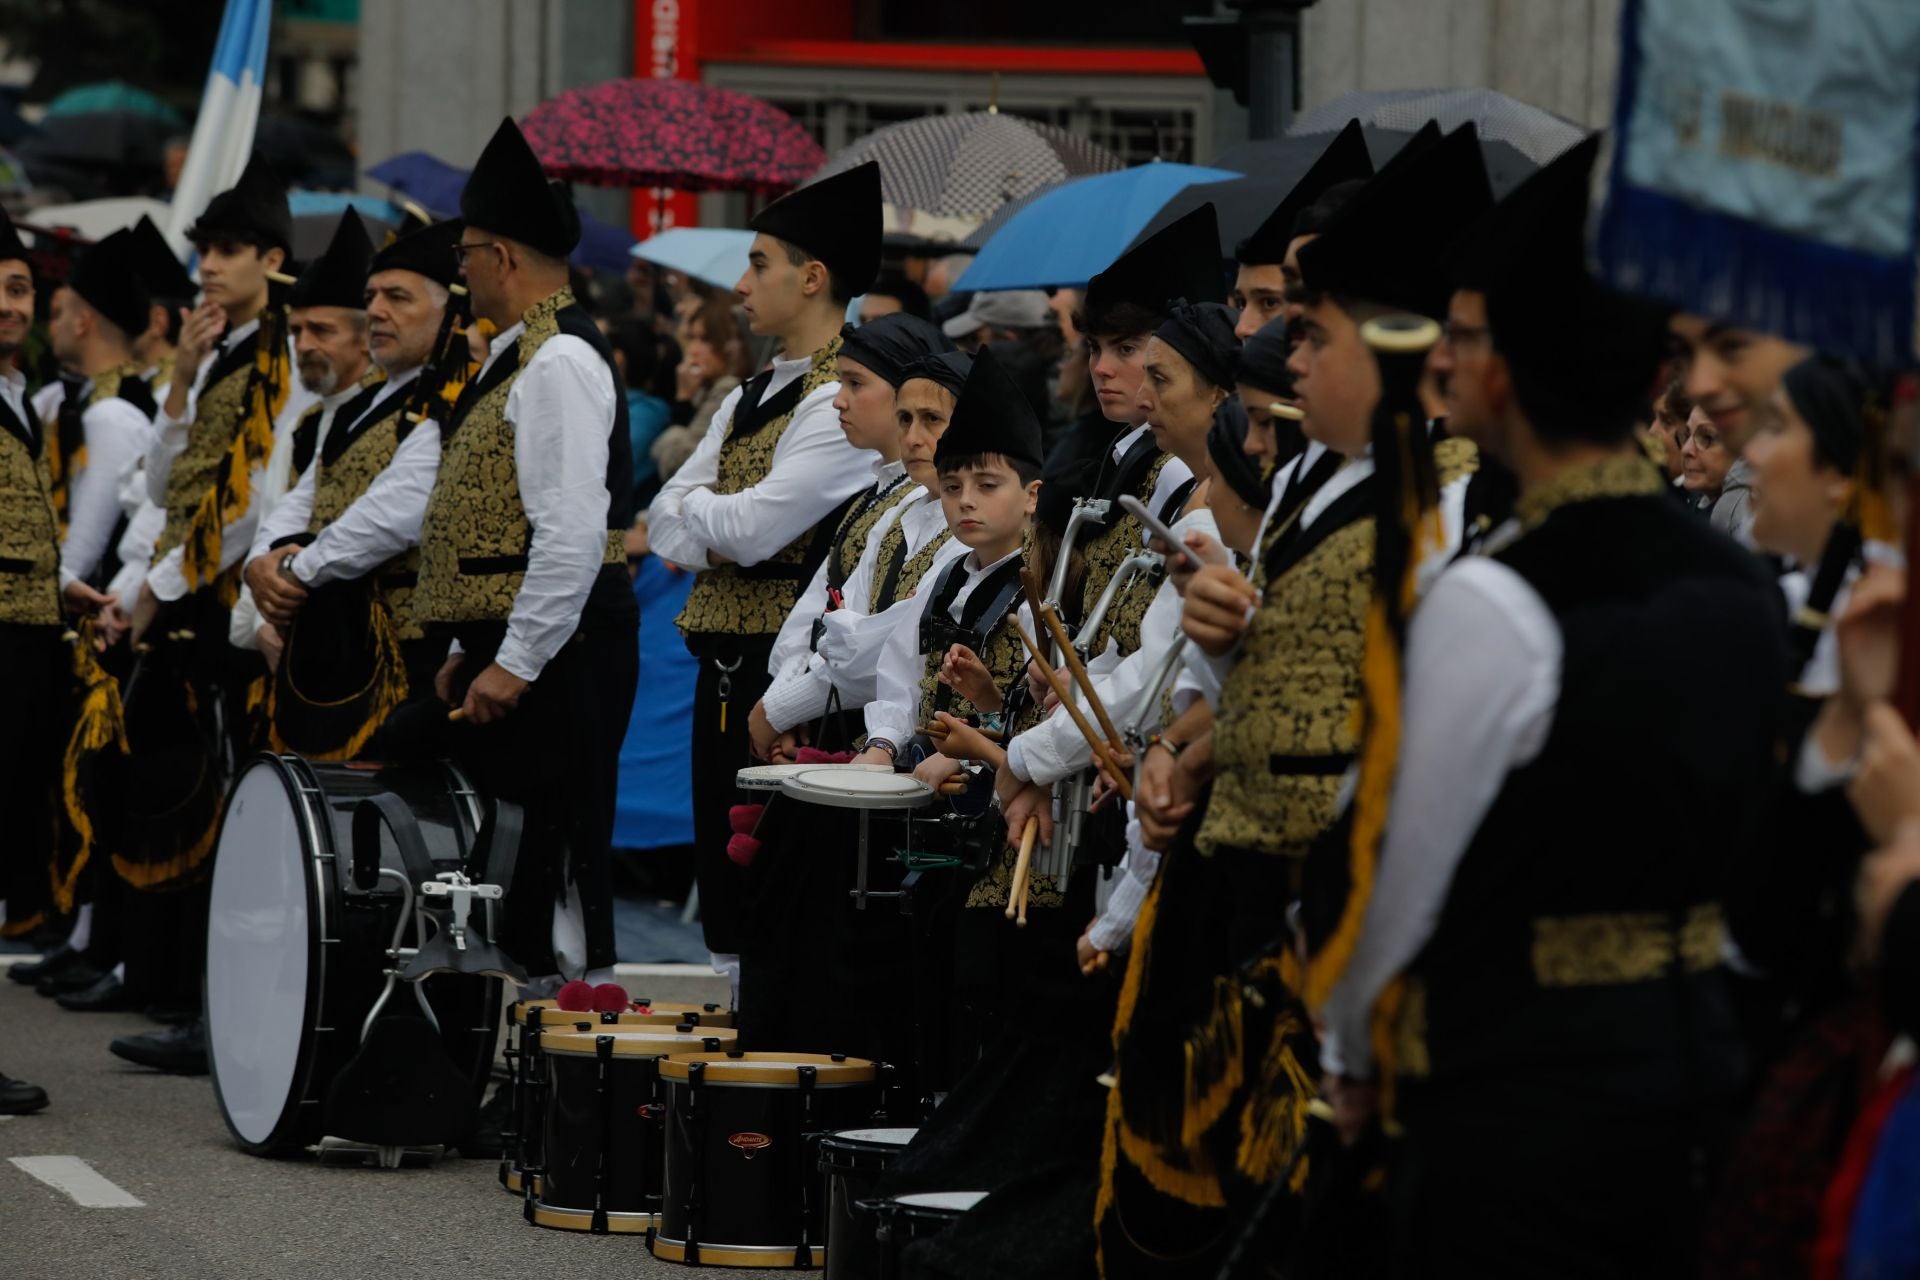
(1583, 928)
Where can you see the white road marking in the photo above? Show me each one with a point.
(78, 1180)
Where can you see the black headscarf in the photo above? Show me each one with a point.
(948, 368)
(1831, 397)
(1203, 333)
(1263, 360)
(890, 344)
(1239, 470)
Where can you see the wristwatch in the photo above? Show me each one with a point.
(286, 568)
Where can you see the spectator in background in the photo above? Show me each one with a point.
(1669, 426)
(1017, 325)
(652, 305)
(173, 158)
(1072, 381)
(715, 362)
(637, 351)
(892, 293)
(942, 272)
(1705, 460)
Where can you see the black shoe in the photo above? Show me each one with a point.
(108, 995)
(71, 978)
(172, 1015)
(18, 1098)
(484, 1142)
(181, 1050)
(46, 965)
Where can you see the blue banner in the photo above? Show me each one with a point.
(1764, 166)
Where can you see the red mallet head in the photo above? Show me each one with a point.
(609, 997)
(575, 997)
(741, 848)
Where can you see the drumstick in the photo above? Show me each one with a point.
(1122, 782)
(456, 715)
(1079, 673)
(939, 730)
(1022, 867)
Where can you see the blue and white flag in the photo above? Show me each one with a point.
(1764, 167)
(229, 111)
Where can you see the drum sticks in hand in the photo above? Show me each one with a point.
(1022, 874)
(1121, 779)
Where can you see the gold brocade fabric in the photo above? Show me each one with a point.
(1103, 557)
(724, 601)
(1618, 947)
(107, 385)
(912, 569)
(474, 516)
(218, 413)
(340, 483)
(29, 537)
(856, 527)
(1622, 476)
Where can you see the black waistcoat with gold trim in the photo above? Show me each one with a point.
(218, 412)
(29, 530)
(1104, 553)
(1288, 719)
(856, 527)
(474, 539)
(360, 446)
(753, 600)
(897, 575)
(1583, 928)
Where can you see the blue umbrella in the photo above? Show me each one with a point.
(436, 185)
(716, 255)
(1070, 234)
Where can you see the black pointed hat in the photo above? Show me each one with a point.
(12, 247)
(890, 344)
(1181, 260)
(837, 220)
(1386, 245)
(508, 194)
(159, 267)
(426, 250)
(1584, 357)
(107, 278)
(253, 209)
(993, 415)
(338, 277)
(1344, 160)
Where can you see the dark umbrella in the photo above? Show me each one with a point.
(970, 164)
(97, 153)
(435, 185)
(1274, 166)
(671, 133)
(304, 153)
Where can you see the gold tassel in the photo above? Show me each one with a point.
(1215, 1064)
(386, 691)
(101, 723)
(1274, 1123)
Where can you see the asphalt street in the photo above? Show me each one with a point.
(211, 1212)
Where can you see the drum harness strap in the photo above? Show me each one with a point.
(803, 1257)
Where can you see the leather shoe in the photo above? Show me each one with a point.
(44, 966)
(18, 1098)
(107, 995)
(74, 977)
(181, 1050)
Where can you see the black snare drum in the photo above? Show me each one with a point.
(852, 1162)
(296, 952)
(602, 1147)
(741, 1185)
(904, 1219)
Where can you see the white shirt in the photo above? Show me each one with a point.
(1055, 748)
(116, 437)
(561, 407)
(854, 637)
(893, 713)
(1482, 665)
(793, 646)
(168, 577)
(1174, 474)
(814, 469)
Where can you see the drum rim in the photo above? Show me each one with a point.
(918, 1200)
(843, 1141)
(768, 1068)
(291, 771)
(914, 795)
(586, 1044)
(713, 1254)
(619, 1222)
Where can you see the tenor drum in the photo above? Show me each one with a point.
(602, 1147)
(296, 952)
(841, 787)
(768, 777)
(741, 1182)
(852, 1162)
(642, 1013)
(904, 1219)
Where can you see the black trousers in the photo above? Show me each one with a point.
(733, 675)
(33, 732)
(557, 755)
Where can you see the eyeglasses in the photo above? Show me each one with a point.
(460, 251)
(1453, 333)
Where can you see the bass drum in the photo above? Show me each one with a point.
(296, 953)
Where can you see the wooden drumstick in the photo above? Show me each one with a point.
(457, 714)
(1079, 673)
(1022, 867)
(1122, 782)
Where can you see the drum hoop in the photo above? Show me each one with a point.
(586, 1044)
(301, 787)
(770, 1070)
(926, 1200)
(911, 796)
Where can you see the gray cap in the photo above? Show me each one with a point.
(1006, 309)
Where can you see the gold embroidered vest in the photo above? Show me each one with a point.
(912, 567)
(218, 411)
(856, 527)
(729, 600)
(29, 536)
(341, 480)
(1103, 557)
(1288, 719)
(474, 539)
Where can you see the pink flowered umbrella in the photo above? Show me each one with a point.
(671, 133)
